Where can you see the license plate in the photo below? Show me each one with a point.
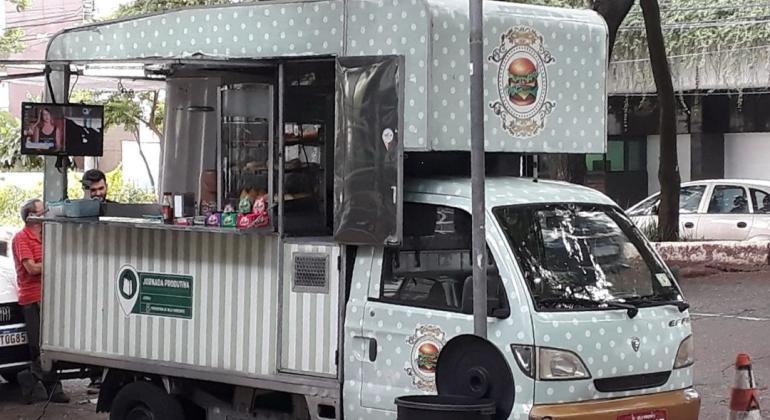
(645, 415)
(13, 339)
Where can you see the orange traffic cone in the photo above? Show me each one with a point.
(744, 400)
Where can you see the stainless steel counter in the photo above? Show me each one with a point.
(140, 223)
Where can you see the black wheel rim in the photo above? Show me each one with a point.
(140, 412)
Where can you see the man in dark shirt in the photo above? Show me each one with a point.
(95, 185)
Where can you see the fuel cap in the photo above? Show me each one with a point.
(472, 366)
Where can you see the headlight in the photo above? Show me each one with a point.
(685, 355)
(554, 365)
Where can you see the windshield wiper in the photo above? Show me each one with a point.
(660, 301)
(631, 310)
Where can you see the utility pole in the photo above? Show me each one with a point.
(479, 252)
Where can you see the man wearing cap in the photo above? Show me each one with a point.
(28, 258)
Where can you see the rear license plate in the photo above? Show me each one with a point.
(13, 339)
(645, 415)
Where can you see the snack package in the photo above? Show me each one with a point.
(244, 206)
(260, 206)
(229, 219)
(183, 221)
(214, 219)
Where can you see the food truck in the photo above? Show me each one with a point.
(347, 122)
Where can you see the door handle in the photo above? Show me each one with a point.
(372, 350)
(742, 225)
(689, 225)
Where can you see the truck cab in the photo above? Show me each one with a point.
(591, 321)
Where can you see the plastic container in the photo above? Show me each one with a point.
(444, 407)
(82, 208)
(55, 208)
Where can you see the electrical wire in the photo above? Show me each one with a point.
(642, 60)
(736, 7)
(700, 25)
(47, 403)
(75, 83)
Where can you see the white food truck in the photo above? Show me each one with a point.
(351, 117)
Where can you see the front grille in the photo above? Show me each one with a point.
(632, 383)
(10, 313)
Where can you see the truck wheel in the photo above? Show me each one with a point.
(145, 401)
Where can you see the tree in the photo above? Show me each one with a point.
(129, 110)
(668, 174)
(571, 167)
(11, 40)
(141, 7)
(10, 146)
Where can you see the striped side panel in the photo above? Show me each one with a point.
(235, 290)
(309, 319)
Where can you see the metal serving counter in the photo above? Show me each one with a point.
(141, 223)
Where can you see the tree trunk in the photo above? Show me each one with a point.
(572, 167)
(144, 159)
(668, 173)
(613, 12)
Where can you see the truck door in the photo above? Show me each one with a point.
(415, 304)
(368, 153)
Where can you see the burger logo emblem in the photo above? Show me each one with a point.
(522, 82)
(427, 342)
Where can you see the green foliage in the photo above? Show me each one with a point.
(11, 41)
(21, 5)
(124, 109)
(11, 199)
(141, 7)
(120, 190)
(10, 146)
(690, 27)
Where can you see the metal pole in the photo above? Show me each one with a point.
(477, 169)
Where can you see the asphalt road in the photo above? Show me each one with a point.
(731, 314)
(80, 406)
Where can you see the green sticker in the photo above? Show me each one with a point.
(155, 294)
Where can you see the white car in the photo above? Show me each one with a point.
(714, 210)
(14, 353)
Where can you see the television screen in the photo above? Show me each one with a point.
(62, 129)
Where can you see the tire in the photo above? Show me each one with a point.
(145, 401)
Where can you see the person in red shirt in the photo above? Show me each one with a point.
(28, 257)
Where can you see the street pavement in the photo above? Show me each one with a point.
(730, 312)
(79, 408)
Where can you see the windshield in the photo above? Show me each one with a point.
(583, 256)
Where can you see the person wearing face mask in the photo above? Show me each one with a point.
(27, 249)
(95, 185)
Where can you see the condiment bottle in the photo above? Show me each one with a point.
(168, 208)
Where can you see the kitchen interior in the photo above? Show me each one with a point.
(239, 136)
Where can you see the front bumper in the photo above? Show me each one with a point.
(679, 405)
(15, 356)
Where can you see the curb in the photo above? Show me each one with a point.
(705, 258)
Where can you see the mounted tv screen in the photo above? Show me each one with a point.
(62, 129)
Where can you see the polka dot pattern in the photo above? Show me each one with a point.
(567, 41)
(432, 36)
(253, 30)
(605, 347)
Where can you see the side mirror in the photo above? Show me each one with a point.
(497, 302)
